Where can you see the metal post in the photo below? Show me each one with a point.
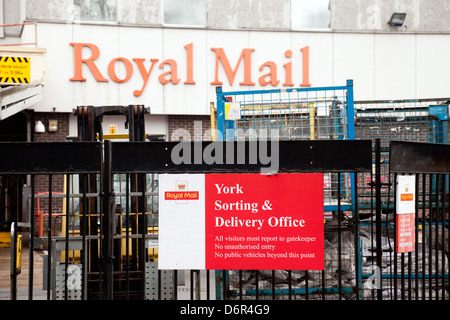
(136, 129)
(31, 246)
(49, 237)
(424, 227)
(127, 236)
(351, 133)
(395, 238)
(197, 284)
(13, 290)
(356, 239)
(207, 285)
(339, 213)
(378, 208)
(220, 114)
(66, 260)
(86, 116)
(108, 223)
(350, 111)
(14, 226)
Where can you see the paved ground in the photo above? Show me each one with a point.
(22, 278)
(39, 294)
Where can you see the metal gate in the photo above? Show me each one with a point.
(44, 164)
(340, 274)
(421, 273)
(351, 273)
(108, 249)
(385, 122)
(120, 261)
(330, 113)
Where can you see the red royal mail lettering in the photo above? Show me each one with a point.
(112, 71)
(190, 64)
(288, 68)
(272, 74)
(406, 197)
(173, 72)
(144, 73)
(305, 53)
(169, 68)
(78, 62)
(221, 57)
(181, 195)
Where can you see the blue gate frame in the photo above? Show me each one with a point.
(332, 105)
(276, 99)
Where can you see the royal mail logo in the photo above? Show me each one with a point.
(181, 195)
(406, 197)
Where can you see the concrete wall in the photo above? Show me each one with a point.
(346, 15)
(248, 14)
(373, 15)
(232, 14)
(141, 12)
(50, 10)
(13, 12)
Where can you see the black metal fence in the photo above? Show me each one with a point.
(422, 274)
(108, 245)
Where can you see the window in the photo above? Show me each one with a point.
(184, 12)
(307, 14)
(97, 10)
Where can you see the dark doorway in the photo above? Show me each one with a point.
(14, 128)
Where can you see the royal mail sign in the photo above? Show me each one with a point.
(167, 70)
(241, 221)
(406, 213)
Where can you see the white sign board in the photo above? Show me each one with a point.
(406, 189)
(405, 208)
(182, 216)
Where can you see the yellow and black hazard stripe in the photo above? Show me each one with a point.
(14, 80)
(14, 70)
(14, 59)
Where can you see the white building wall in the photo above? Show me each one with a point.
(382, 65)
(410, 62)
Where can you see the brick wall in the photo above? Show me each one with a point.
(63, 126)
(189, 128)
(42, 181)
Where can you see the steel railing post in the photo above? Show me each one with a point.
(378, 209)
(108, 223)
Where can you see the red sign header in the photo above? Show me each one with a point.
(264, 222)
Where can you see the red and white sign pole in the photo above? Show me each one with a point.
(241, 221)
